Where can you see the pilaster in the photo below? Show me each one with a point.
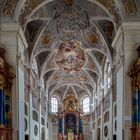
(125, 44)
(14, 42)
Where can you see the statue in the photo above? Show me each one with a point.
(70, 134)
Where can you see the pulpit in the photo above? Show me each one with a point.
(70, 120)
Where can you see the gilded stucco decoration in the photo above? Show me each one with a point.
(28, 7)
(130, 7)
(9, 8)
(68, 42)
(6, 72)
(70, 103)
(6, 80)
(135, 86)
(2, 2)
(113, 10)
(67, 37)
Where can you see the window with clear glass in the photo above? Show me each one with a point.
(54, 105)
(86, 103)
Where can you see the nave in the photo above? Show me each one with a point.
(69, 70)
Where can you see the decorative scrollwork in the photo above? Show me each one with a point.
(6, 72)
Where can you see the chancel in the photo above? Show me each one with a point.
(69, 70)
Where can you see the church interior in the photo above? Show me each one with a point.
(69, 69)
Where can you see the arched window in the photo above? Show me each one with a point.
(86, 103)
(54, 105)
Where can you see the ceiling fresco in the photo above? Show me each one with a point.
(75, 45)
(70, 39)
(70, 56)
(62, 92)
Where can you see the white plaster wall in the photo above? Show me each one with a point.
(47, 134)
(120, 101)
(32, 124)
(14, 42)
(87, 130)
(94, 134)
(21, 104)
(8, 38)
(54, 131)
(27, 118)
(108, 124)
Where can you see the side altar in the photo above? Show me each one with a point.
(70, 125)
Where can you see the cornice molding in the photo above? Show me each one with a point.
(14, 27)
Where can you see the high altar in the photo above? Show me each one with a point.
(70, 126)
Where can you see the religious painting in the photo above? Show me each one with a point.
(35, 116)
(98, 110)
(108, 29)
(35, 102)
(98, 134)
(70, 56)
(106, 117)
(93, 116)
(106, 102)
(70, 122)
(105, 131)
(86, 119)
(36, 130)
(54, 119)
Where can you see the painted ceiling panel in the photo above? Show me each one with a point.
(93, 9)
(108, 29)
(42, 57)
(68, 35)
(69, 47)
(93, 75)
(99, 56)
(32, 30)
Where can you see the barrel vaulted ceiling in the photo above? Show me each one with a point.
(70, 39)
